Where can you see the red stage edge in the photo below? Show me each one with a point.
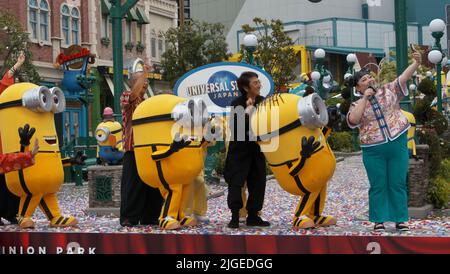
(96, 243)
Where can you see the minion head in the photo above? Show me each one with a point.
(159, 118)
(108, 133)
(27, 103)
(281, 120)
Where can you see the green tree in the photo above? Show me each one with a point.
(273, 51)
(193, 45)
(14, 39)
(388, 68)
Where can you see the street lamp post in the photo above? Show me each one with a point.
(320, 74)
(351, 60)
(250, 42)
(437, 27)
(117, 13)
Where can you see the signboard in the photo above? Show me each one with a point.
(216, 84)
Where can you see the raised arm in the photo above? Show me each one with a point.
(409, 71)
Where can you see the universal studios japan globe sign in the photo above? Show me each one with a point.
(217, 85)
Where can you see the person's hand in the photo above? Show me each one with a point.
(35, 149)
(417, 57)
(21, 58)
(369, 93)
(250, 105)
(25, 134)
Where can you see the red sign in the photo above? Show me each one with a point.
(74, 56)
(98, 243)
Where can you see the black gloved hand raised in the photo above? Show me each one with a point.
(309, 147)
(25, 134)
(177, 145)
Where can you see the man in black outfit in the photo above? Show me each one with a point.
(245, 162)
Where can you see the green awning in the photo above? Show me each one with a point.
(105, 6)
(131, 15)
(143, 19)
(346, 50)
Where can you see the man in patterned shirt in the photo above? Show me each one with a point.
(140, 203)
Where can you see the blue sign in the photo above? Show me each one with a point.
(216, 84)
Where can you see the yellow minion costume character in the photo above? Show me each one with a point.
(301, 159)
(166, 162)
(411, 132)
(109, 139)
(37, 185)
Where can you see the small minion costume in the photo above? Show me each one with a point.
(109, 139)
(301, 159)
(166, 162)
(411, 133)
(38, 184)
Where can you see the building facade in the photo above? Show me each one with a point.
(55, 25)
(339, 27)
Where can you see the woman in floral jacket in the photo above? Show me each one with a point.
(383, 139)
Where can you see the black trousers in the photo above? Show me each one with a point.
(139, 202)
(9, 203)
(256, 185)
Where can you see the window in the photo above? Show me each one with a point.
(38, 20)
(139, 33)
(160, 48)
(70, 25)
(128, 31)
(75, 26)
(44, 20)
(65, 17)
(105, 21)
(153, 45)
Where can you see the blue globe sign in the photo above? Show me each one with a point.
(216, 84)
(223, 88)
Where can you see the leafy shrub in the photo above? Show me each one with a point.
(429, 136)
(340, 141)
(427, 87)
(438, 192)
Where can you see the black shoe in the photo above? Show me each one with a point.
(379, 227)
(150, 222)
(128, 223)
(234, 223)
(401, 226)
(256, 221)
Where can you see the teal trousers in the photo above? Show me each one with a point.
(387, 168)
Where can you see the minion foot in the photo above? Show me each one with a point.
(169, 223)
(25, 223)
(62, 221)
(303, 222)
(188, 221)
(325, 220)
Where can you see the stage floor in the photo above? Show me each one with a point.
(347, 200)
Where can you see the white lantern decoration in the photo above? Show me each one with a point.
(435, 56)
(351, 58)
(315, 75)
(437, 25)
(319, 53)
(250, 40)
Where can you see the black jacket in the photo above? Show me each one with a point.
(244, 158)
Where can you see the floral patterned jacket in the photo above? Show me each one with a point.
(382, 120)
(15, 161)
